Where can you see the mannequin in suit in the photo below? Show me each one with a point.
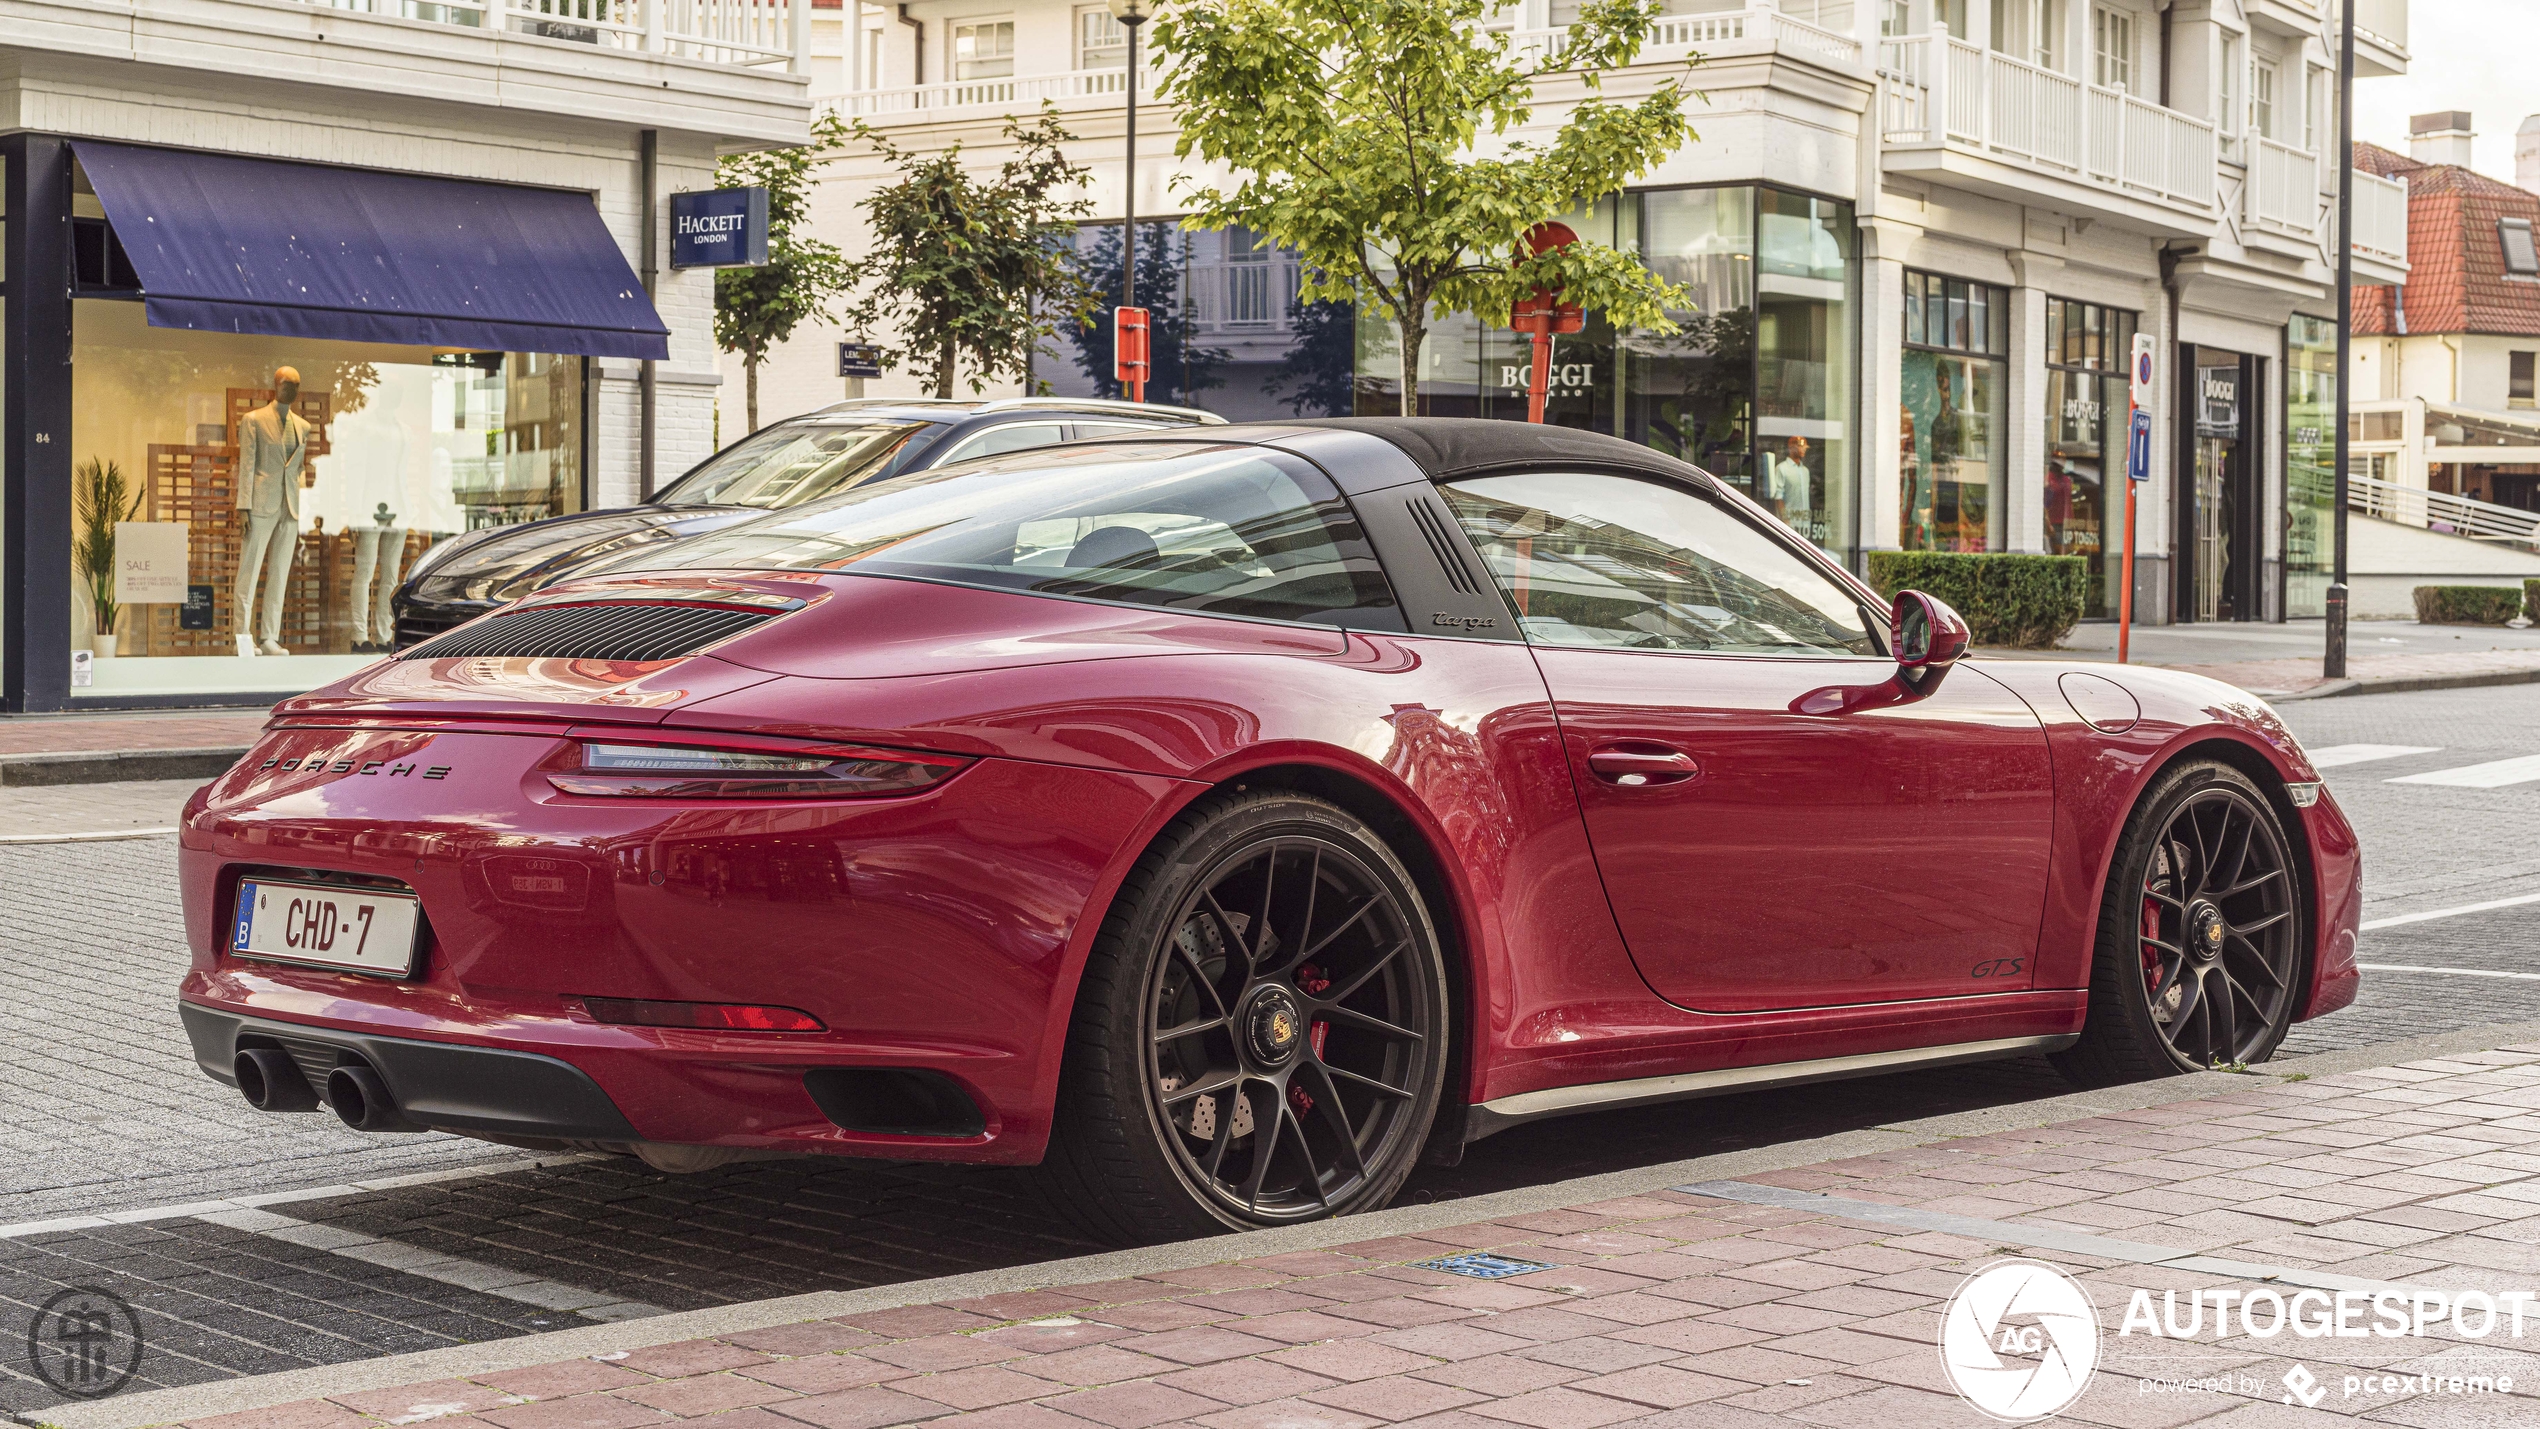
(273, 457)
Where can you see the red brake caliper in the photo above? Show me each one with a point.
(2151, 954)
(1312, 981)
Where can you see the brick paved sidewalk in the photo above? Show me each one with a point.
(1809, 1296)
(95, 734)
(2378, 672)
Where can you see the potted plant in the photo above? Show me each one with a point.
(100, 500)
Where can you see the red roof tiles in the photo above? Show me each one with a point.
(2457, 280)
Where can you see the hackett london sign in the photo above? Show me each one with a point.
(719, 228)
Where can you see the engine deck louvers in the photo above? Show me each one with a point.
(605, 630)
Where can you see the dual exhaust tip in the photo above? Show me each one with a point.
(272, 1081)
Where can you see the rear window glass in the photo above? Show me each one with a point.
(1218, 530)
(788, 465)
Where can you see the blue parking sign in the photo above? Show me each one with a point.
(2138, 447)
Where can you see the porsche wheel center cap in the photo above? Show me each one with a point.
(2205, 930)
(1274, 1026)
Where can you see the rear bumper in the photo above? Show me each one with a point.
(447, 1086)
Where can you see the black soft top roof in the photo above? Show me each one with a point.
(1447, 447)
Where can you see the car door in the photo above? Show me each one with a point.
(1756, 857)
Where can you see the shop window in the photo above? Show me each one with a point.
(1102, 42)
(983, 49)
(383, 452)
(1951, 426)
(2520, 258)
(2112, 48)
(2518, 379)
(2086, 396)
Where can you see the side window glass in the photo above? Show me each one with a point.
(1012, 437)
(1619, 563)
(1084, 431)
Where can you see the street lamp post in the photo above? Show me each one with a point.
(1131, 14)
(2333, 662)
(1133, 367)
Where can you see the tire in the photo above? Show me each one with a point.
(2203, 935)
(1190, 1032)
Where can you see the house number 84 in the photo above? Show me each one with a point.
(42, 437)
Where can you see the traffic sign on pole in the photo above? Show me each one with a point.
(2138, 470)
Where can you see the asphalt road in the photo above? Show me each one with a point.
(103, 1114)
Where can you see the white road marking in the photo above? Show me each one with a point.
(2395, 921)
(455, 1270)
(85, 838)
(2337, 756)
(2495, 774)
(2447, 972)
(284, 1198)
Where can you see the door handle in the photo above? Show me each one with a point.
(1640, 768)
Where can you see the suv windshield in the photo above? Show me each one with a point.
(1221, 530)
(791, 463)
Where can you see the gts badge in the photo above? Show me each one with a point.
(1463, 622)
(1999, 967)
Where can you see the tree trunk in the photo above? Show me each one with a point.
(1415, 335)
(944, 370)
(749, 382)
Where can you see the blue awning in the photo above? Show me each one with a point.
(228, 244)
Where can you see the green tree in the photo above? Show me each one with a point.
(757, 308)
(965, 269)
(1371, 136)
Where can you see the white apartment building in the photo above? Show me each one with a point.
(434, 212)
(1919, 235)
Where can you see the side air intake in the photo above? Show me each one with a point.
(605, 630)
(1442, 544)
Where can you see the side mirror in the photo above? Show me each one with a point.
(1927, 636)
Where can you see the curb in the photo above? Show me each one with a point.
(110, 767)
(2428, 682)
(167, 1406)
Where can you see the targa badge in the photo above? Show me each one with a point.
(2019, 1340)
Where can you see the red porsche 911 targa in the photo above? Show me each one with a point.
(1223, 819)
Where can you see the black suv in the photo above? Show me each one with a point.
(779, 465)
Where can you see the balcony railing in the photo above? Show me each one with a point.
(2283, 194)
(2442, 511)
(2032, 116)
(1026, 91)
(738, 32)
(2381, 217)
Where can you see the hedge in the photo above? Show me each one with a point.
(2467, 604)
(2008, 599)
(2531, 597)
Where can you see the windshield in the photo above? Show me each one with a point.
(1222, 530)
(793, 462)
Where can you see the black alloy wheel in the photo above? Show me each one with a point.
(1284, 1052)
(2201, 951)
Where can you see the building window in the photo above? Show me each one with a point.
(291, 526)
(1957, 337)
(2112, 48)
(2310, 463)
(2520, 257)
(2262, 98)
(2518, 380)
(1895, 19)
(2314, 104)
(983, 49)
(2086, 351)
(2033, 31)
(1101, 41)
(2234, 59)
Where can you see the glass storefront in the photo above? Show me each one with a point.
(2086, 394)
(1756, 387)
(2310, 464)
(1951, 459)
(245, 524)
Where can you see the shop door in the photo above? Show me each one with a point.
(2218, 519)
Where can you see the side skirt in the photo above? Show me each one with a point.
(1490, 1117)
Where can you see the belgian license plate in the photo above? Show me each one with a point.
(324, 926)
